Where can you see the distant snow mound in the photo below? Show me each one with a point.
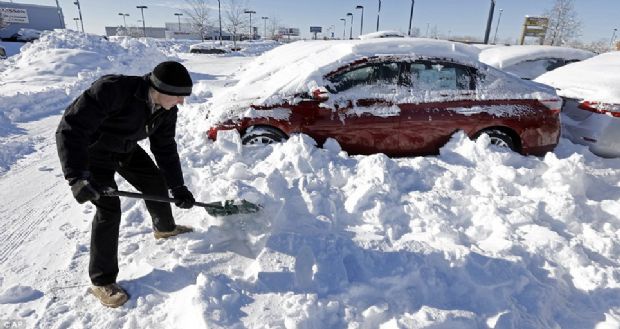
(126, 55)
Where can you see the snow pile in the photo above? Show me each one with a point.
(53, 70)
(595, 79)
(475, 236)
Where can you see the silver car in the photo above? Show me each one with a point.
(591, 111)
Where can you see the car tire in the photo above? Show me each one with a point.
(499, 138)
(262, 135)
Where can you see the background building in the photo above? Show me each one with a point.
(16, 16)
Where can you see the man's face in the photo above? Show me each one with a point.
(167, 101)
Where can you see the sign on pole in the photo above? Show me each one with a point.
(14, 15)
(534, 27)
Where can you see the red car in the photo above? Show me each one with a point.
(407, 101)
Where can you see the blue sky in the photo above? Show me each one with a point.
(453, 17)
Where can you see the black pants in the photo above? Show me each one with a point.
(140, 171)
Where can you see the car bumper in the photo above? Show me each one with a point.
(600, 132)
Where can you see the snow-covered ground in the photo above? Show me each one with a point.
(476, 237)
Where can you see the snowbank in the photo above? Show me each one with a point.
(48, 73)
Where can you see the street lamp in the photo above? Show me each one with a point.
(362, 21)
(378, 12)
(143, 23)
(613, 37)
(499, 18)
(344, 29)
(411, 17)
(264, 18)
(489, 22)
(76, 19)
(178, 15)
(77, 3)
(219, 12)
(250, 12)
(124, 20)
(351, 27)
(62, 19)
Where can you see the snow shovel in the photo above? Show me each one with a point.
(218, 208)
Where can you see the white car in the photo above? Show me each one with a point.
(591, 93)
(530, 61)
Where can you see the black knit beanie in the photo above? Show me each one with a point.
(171, 78)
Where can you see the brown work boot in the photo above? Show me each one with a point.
(179, 229)
(111, 295)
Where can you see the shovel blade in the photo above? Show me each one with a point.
(231, 207)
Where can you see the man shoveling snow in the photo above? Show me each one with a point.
(98, 137)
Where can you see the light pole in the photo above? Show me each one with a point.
(351, 27)
(77, 3)
(427, 26)
(250, 12)
(178, 15)
(77, 27)
(362, 19)
(62, 19)
(613, 37)
(264, 18)
(219, 13)
(489, 22)
(143, 23)
(378, 12)
(499, 18)
(124, 20)
(344, 29)
(411, 17)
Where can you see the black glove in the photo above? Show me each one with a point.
(185, 198)
(83, 190)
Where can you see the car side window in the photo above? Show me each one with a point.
(371, 74)
(438, 76)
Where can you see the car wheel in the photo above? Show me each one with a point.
(499, 138)
(262, 135)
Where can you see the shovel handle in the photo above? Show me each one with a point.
(111, 192)
(223, 208)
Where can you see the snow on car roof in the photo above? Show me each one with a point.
(297, 67)
(503, 57)
(594, 79)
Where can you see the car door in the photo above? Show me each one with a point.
(442, 94)
(361, 113)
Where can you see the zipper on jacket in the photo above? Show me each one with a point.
(152, 119)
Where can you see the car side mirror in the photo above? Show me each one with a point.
(320, 94)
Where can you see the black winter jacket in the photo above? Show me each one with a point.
(106, 122)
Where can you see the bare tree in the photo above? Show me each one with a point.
(236, 20)
(198, 16)
(564, 25)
